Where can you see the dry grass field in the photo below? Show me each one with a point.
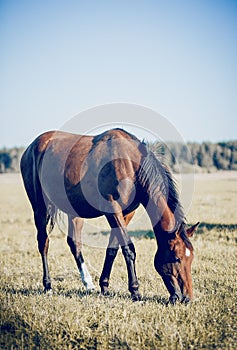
(74, 319)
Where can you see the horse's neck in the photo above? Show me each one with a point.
(160, 214)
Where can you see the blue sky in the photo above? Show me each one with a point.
(59, 58)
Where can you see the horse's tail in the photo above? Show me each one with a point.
(51, 218)
(30, 176)
(55, 217)
(34, 189)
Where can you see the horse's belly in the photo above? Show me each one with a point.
(75, 205)
(85, 199)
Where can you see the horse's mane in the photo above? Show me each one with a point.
(156, 178)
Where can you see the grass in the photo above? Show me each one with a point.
(71, 318)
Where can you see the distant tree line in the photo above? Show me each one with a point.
(10, 159)
(205, 157)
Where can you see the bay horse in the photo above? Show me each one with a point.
(108, 174)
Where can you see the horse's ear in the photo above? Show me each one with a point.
(190, 231)
(143, 148)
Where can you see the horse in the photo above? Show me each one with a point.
(109, 174)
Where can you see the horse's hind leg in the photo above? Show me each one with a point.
(74, 241)
(43, 244)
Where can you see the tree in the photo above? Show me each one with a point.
(5, 161)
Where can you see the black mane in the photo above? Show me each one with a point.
(156, 178)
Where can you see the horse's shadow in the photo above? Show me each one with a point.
(81, 293)
(24, 291)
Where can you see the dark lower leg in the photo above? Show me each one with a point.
(43, 244)
(46, 276)
(108, 263)
(130, 257)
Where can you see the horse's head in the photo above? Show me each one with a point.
(173, 262)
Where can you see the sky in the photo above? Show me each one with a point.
(59, 58)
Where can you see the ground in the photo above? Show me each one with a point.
(71, 318)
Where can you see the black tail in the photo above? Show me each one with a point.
(52, 213)
(34, 190)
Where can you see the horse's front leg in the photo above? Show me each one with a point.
(129, 254)
(111, 253)
(118, 225)
(74, 241)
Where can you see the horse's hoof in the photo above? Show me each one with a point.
(47, 285)
(186, 301)
(90, 287)
(48, 292)
(173, 300)
(105, 289)
(105, 293)
(136, 297)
